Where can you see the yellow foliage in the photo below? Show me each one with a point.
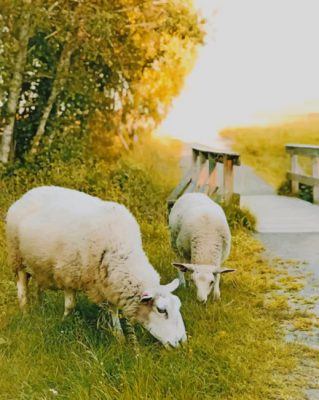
(263, 148)
(291, 283)
(305, 323)
(278, 303)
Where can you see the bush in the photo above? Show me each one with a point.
(239, 218)
(305, 192)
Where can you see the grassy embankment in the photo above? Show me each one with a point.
(235, 348)
(263, 148)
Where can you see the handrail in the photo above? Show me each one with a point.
(303, 149)
(202, 176)
(296, 175)
(218, 154)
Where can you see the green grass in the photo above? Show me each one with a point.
(235, 349)
(263, 148)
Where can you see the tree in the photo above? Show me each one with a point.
(86, 65)
(15, 87)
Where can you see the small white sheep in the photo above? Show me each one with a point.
(200, 234)
(69, 240)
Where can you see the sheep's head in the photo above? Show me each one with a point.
(204, 278)
(159, 313)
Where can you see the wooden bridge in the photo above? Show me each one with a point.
(284, 213)
(220, 175)
(202, 176)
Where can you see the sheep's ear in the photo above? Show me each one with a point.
(146, 298)
(172, 285)
(183, 267)
(218, 270)
(226, 270)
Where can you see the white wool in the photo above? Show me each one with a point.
(70, 240)
(199, 230)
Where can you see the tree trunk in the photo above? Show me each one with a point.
(123, 141)
(62, 68)
(120, 131)
(16, 85)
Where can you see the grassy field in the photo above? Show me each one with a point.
(263, 148)
(235, 349)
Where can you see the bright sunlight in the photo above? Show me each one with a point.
(258, 66)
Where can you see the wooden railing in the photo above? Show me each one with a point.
(202, 176)
(296, 175)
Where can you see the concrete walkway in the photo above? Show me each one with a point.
(289, 228)
(281, 214)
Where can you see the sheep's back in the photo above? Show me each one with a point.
(69, 234)
(198, 222)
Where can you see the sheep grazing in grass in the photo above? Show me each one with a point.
(69, 240)
(200, 235)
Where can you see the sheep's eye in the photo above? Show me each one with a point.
(161, 310)
(211, 283)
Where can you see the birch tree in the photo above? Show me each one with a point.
(16, 82)
(62, 69)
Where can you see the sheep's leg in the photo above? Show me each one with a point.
(15, 261)
(129, 332)
(22, 288)
(116, 324)
(40, 294)
(216, 288)
(181, 277)
(69, 301)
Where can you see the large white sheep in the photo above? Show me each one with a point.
(69, 240)
(200, 234)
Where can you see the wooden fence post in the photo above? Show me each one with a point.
(228, 180)
(212, 170)
(294, 169)
(203, 173)
(195, 170)
(315, 174)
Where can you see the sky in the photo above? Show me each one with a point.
(260, 62)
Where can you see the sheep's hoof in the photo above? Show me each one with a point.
(217, 297)
(25, 309)
(66, 315)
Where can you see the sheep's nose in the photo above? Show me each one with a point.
(202, 300)
(171, 345)
(176, 343)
